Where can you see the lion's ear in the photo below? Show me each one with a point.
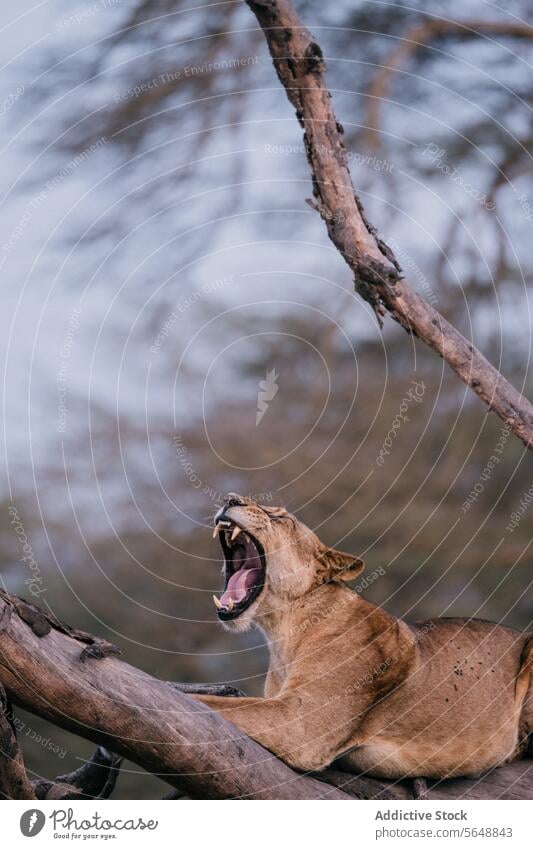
(341, 565)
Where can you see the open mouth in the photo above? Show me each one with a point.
(244, 569)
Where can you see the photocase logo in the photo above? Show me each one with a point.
(32, 822)
(268, 390)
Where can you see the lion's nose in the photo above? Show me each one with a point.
(234, 500)
(230, 500)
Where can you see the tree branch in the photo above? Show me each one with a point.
(145, 720)
(378, 279)
(163, 730)
(95, 779)
(14, 782)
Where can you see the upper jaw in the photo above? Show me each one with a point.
(229, 533)
(226, 525)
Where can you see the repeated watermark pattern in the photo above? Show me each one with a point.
(414, 395)
(30, 733)
(75, 163)
(183, 305)
(352, 157)
(518, 514)
(11, 99)
(268, 389)
(62, 372)
(437, 156)
(194, 479)
(169, 77)
(87, 12)
(34, 581)
(408, 263)
(345, 600)
(526, 207)
(42, 196)
(383, 666)
(486, 474)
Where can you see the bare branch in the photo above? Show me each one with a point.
(377, 276)
(95, 779)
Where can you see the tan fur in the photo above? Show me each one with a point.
(349, 681)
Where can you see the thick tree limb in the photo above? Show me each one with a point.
(14, 782)
(415, 39)
(163, 730)
(378, 278)
(513, 781)
(94, 780)
(138, 717)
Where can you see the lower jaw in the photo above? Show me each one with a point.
(238, 612)
(233, 615)
(241, 623)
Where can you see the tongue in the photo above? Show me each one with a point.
(239, 585)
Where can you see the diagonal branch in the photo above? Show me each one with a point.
(300, 67)
(137, 716)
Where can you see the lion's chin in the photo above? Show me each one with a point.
(242, 623)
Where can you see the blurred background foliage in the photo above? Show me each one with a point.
(159, 259)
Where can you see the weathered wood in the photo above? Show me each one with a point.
(418, 37)
(512, 781)
(365, 787)
(159, 727)
(95, 779)
(14, 781)
(140, 718)
(300, 67)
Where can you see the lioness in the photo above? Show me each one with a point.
(348, 681)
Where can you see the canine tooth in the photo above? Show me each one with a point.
(218, 603)
(216, 530)
(235, 534)
(230, 604)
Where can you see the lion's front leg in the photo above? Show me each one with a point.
(280, 726)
